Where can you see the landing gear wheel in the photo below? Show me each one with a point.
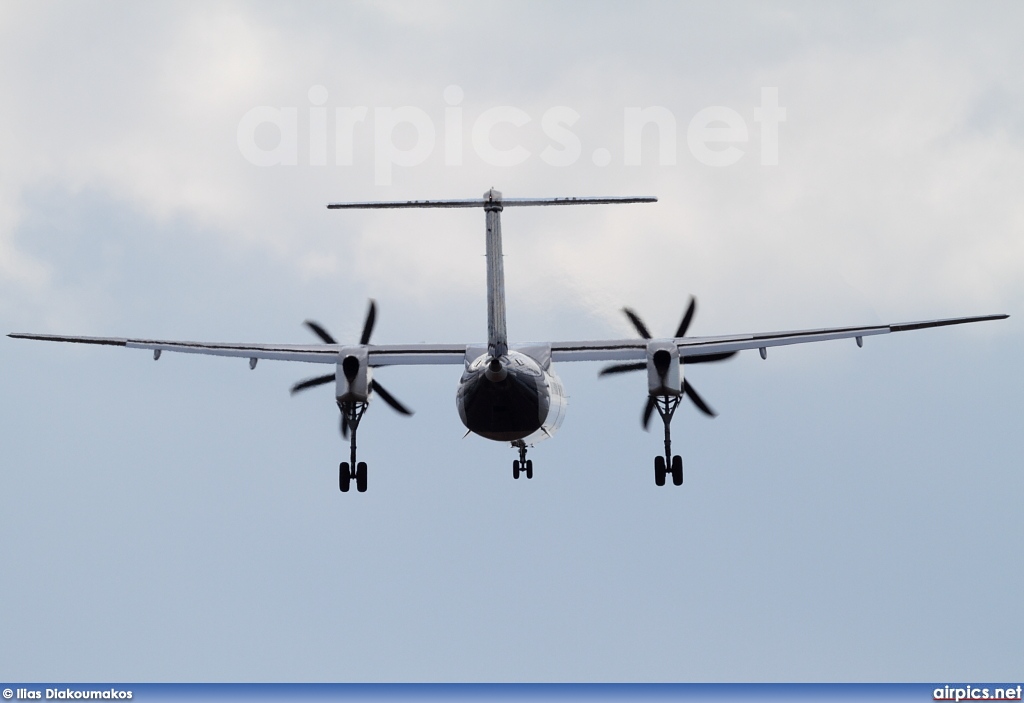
(677, 470)
(344, 476)
(659, 470)
(529, 468)
(515, 469)
(361, 477)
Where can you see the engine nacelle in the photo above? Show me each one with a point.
(352, 375)
(663, 370)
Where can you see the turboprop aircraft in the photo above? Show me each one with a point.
(509, 392)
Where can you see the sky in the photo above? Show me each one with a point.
(851, 514)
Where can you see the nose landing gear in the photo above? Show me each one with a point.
(522, 464)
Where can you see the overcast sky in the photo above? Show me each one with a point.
(852, 514)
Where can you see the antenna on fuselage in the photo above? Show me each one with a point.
(493, 203)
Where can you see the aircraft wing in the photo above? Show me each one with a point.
(636, 349)
(430, 354)
(380, 355)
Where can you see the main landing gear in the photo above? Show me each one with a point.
(663, 465)
(522, 464)
(351, 414)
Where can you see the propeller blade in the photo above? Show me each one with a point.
(707, 358)
(684, 324)
(648, 410)
(311, 382)
(697, 400)
(622, 368)
(344, 425)
(320, 332)
(389, 399)
(371, 317)
(641, 328)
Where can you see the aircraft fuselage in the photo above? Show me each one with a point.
(513, 397)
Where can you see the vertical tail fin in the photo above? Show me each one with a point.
(497, 335)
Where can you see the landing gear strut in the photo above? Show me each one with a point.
(522, 464)
(663, 465)
(351, 414)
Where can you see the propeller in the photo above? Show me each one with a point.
(389, 399)
(688, 389)
(648, 411)
(350, 367)
(320, 332)
(312, 382)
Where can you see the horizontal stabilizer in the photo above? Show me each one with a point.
(482, 202)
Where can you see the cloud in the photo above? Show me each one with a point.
(895, 183)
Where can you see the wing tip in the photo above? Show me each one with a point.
(907, 326)
(107, 341)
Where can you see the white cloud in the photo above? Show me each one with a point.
(888, 184)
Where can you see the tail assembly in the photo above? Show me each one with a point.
(493, 203)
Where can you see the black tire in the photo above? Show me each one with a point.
(361, 477)
(344, 476)
(529, 468)
(515, 469)
(659, 470)
(677, 470)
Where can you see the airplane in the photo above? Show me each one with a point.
(510, 392)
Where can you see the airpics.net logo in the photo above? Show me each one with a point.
(715, 136)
